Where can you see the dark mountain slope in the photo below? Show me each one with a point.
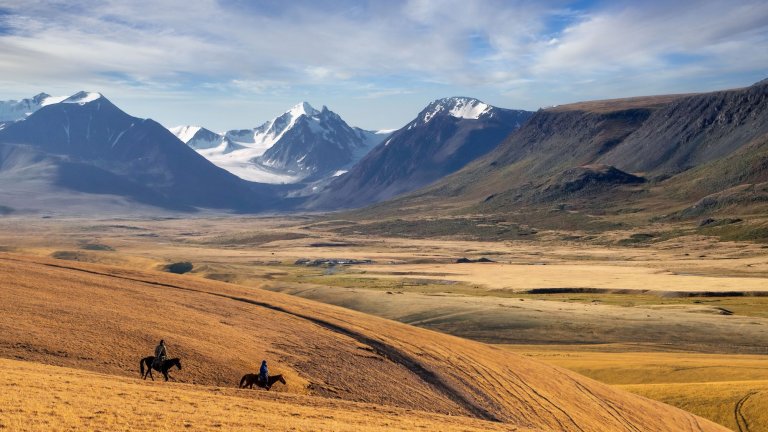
(694, 130)
(447, 135)
(685, 146)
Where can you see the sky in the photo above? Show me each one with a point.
(233, 64)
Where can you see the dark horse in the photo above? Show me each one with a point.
(249, 380)
(166, 364)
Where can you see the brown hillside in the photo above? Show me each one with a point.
(97, 402)
(104, 319)
(608, 105)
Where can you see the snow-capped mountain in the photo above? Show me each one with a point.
(13, 110)
(458, 107)
(199, 138)
(301, 144)
(84, 148)
(317, 143)
(443, 138)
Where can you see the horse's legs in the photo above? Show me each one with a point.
(165, 374)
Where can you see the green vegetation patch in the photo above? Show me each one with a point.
(737, 232)
(638, 238)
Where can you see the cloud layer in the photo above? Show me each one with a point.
(512, 53)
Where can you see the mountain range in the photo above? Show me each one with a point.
(669, 156)
(447, 135)
(302, 144)
(12, 110)
(84, 148)
(659, 156)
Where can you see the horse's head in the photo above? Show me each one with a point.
(281, 379)
(177, 362)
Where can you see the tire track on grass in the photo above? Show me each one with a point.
(741, 420)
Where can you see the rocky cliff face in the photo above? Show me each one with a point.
(694, 130)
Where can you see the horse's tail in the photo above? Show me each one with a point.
(242, 381)
(141, 366)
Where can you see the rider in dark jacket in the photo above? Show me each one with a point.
(264, 373)
(161, 353)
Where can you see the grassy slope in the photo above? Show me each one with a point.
(56, 398)
(727, 389)
(104, 318)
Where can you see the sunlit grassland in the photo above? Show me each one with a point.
(726, 388)
(35, 397)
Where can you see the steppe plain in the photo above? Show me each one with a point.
(678, 319)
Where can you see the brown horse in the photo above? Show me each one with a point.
(248, 380)
(163, 368)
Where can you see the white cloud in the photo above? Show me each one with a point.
(518, 53)
(648, 36)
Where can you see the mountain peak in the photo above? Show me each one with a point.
(185, 133)
(83, 97)
(456, 106)
(303, 108)
(13, 110)
(40, 97)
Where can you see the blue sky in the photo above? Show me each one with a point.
(236, 63)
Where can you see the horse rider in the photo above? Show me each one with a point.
(161, 353)
(264, 373)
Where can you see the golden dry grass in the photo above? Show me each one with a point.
(515, 277)
(738, 405)
(104, 318)
(728, 389)
(37, 397)
(608, 105)
(616, 365)
(260, 253)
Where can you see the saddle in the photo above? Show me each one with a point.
(158, 361)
